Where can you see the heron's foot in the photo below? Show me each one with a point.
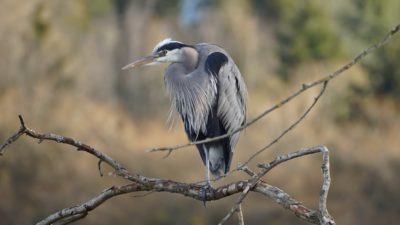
(204, 190)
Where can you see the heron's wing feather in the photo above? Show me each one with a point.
(232, 93)
(231, 96)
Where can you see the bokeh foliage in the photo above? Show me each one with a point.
(364, 21)
(304, 31)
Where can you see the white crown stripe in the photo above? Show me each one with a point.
(164, 42)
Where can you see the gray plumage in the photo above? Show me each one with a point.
(208, 91)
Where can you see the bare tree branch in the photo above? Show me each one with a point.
(256, 179)
(82, 210)
(325, 218)
(142, 183)
(14, 137)
(303, 88)
(292, 126)
(120, 170)
(238, 203)
(240, 215)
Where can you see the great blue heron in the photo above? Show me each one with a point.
(208, 91)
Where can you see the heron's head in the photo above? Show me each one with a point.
(167, 51)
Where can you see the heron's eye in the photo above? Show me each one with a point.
(163, 52)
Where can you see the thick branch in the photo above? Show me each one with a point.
(195, 191)
(190, 190)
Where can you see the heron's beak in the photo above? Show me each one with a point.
(141, 62)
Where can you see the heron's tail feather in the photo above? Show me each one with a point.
(217, 160)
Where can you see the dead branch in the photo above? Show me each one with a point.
(291, 127)
(240, 215)
(142, 183)
(14, 137)
(254, 182)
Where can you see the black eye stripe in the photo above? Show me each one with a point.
(171, 46)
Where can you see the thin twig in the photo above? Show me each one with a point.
(325, 218)
(302, 89)
(15, 136)
(246, 170)
(236, 206)
(99, 167)
(291, 127)
(240, 215)
(120, 170)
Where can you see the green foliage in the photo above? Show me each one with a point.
(39, 23)
(304, 31)
(368, 20)
(97, 8)
(84, 13)
(384, 71)
(307, 39)
(166, 7)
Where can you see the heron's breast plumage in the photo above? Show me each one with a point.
(192, 96)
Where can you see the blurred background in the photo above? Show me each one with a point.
(61, 69)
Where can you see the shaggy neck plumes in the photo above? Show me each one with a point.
(190, 58)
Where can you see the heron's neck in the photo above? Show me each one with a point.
(190, 59)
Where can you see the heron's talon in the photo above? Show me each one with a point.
(204, 190)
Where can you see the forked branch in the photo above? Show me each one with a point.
(320, 216)
(141, 183)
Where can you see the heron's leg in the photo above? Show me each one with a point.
(207, 186)
(207, 167)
